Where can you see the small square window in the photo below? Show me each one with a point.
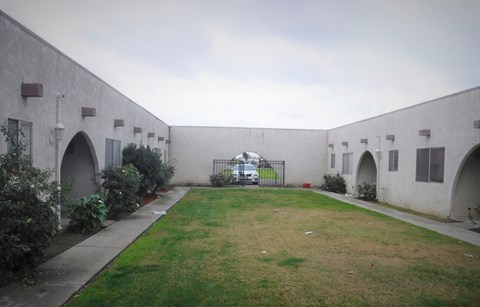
(430, 164)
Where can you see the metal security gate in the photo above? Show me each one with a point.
(265, 173)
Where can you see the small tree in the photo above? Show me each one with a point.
(367, 191)
(156, 174)
(28, 203)
(219, 180)
(119, 189)
(334, 183)
(88, 214)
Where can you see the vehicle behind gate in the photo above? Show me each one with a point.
(266, 173)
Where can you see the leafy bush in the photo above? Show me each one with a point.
(28, 203)
(219, 180)
(156, 174)
(367, 191)
(87, 216)
(119, 189)
(472, 217)
(334, 183)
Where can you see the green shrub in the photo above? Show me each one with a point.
(155, 173)
(334, 183)
(28, 203)
(87, 216)
(119, 189)
(219, 180)
(367, 191)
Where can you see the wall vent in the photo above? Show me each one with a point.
(364, 141)
(161, 138)
(424, 132)
(151, 134)
(137, 130)
(89, 112)
(345, 144)
(118, 123)
(32, 90)
(390, 137)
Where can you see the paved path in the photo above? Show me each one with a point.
(455, 230)
(68, 272)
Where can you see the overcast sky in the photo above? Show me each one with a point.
(278, 64)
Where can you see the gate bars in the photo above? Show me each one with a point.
(271, 173)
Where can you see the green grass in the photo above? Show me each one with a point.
(244, 247)
(267, 173)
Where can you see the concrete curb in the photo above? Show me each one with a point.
(68, 272)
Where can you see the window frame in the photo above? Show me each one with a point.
(347, 168)
(113, 152)
(427, 173)
(393, 156)
(332, 160)
(19, 127)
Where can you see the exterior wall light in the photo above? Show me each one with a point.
(59, 130)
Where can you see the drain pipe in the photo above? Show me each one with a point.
(58, 132)
(379, 158)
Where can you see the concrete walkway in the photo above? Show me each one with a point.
(68, 272)
(455, 230)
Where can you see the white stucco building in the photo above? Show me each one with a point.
(425, 157)
(98, 119)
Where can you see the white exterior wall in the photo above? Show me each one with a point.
(195, 148)
(24, 57)
(27, 58)
(451, 121)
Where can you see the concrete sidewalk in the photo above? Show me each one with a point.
(68, 272)
(455, 230)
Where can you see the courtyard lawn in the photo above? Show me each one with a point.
(248, 247)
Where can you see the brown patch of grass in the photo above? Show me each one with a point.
(350, 253)
(235, 247)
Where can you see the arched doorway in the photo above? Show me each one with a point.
(367, 169)
(78, 166)
(466, 189)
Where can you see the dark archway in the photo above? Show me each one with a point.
(367, 169)
(466, 189)
(78, 166)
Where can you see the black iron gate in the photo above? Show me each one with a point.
(265, 173)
